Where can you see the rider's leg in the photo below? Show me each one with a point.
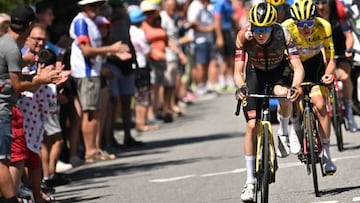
(344, 69)
(324, 132)
(250, 149)
(284, 111)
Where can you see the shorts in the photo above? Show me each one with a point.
(121, 84)
(5, 137)
(157, 74)
(18, 146)
(88, 92)
(170, 73)
(143, 96)
(51, 124)
(204, 52)
(314, 68)
(229, 46)
(33, 160)
(256, 81)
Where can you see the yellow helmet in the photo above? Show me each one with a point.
(262, 15)
(303, 10)
(276, 2)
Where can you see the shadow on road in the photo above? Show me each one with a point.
(338, 190)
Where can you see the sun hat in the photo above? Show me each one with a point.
(21, 17)
(85, 2)
(136, 15)
(147, 5)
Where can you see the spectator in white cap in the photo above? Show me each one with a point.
(86, 60)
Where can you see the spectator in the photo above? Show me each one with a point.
(122, 87)
(157, 38)
(224, 15)
(86, 60)
(12, 83)
(142, 74)
(202, 22)
(175, 57)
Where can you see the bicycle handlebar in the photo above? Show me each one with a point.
(239, 101)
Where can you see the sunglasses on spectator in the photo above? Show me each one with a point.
(305, 23)
(38, 39)
(318, 2)
(261, 30)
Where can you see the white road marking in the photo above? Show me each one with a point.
(241, 170)
(224, 173)
(356, 199)
(331, 201)
(172, 179)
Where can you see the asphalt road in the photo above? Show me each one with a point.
(198, 158)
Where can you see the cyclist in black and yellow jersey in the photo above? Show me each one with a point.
(311, 34)
(282, 8)
(264, 43)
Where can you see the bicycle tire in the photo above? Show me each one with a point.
(310, 130)
(265, 179)
(336, 120)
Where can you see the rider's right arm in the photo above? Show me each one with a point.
(240, 53)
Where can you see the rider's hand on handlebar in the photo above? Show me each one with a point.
(242, 92)
(327, 79)
(294, 93)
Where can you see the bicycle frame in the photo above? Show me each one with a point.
(310, 139)
(337, 112)
(265, 161)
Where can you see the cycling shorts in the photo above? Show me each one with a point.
(256, 81)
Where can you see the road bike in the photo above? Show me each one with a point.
(336, 109)
(309, 137)
(265, 161)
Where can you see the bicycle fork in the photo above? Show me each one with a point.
(259, 153)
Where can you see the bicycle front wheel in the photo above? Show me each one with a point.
(265, 179)
(310, 138)
(336, 120)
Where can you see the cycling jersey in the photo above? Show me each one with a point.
(270, 54)
(321, 37)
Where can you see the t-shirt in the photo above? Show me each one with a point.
(223, 9)
(169, 25)
(141, 45)
(198, 13)
(10, 61)
(84, 30)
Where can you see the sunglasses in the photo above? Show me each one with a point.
(305, 23)
(38, 39)
(318, 2)
(262, 30)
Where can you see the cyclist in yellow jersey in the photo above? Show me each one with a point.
(312, 34)
(269, 51)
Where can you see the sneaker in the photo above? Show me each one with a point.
(62, 167)
(283, 146)
(248, 193)
(57, 180)
(25, 192)
(352, 126)
(76, 161)
(328, 166)
(294, 142)
(351, 123)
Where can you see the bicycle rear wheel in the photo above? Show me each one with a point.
(310, 137)
(265, 179)
(337, 120)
